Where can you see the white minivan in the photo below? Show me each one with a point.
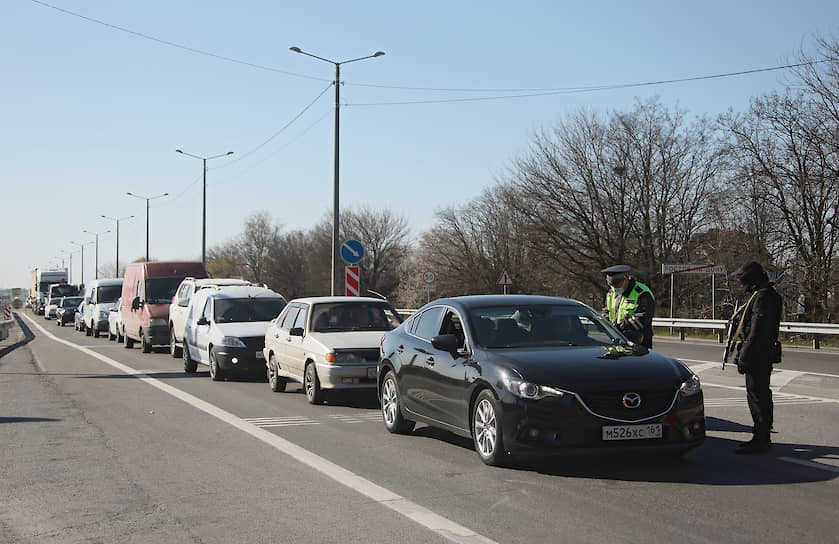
(99, 297)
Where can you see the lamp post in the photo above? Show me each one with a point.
(96, 234)
(147, 199)
(70, 266)
(118, 219)
(204, 205)
(81, 246)
(335, 210)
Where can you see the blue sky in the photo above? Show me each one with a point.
(89, 112)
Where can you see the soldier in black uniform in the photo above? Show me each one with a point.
(757, 351)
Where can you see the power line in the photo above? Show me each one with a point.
(527, 92)
(280, 131)
(580, 90)
(179, 46)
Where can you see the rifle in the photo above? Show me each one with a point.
(732, 328)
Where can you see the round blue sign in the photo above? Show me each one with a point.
(352, 251)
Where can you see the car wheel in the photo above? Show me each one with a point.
(96, 333)
(276, 381)
(215, 372)
(144, 342)
(486, 429)
(311, 385)
(111, 335)
(120, 335)
(87, 331)
(58, 322)
(174, 350)
(129, 343)
(395, 422)
(190, 366)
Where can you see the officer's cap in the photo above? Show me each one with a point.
(617, 269)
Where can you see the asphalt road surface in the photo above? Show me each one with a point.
(105, 444)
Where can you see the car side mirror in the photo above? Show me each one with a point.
(296, 331)
(136, 304)
(448, 343)
(202, 321)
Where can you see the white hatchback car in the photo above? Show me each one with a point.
(225, 330)
(328, 343)
(115, 322)
(179, 308)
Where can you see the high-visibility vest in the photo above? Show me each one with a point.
(629, 302)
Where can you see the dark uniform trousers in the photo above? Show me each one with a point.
(759, 398)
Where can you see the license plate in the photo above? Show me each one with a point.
(260, 355)
(632, 432)
(372, 372)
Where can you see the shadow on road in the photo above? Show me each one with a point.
(714, 463)
(25, 419)
(27, 337)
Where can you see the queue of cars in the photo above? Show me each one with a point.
(520, 375)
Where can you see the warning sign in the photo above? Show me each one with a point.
(505, 279)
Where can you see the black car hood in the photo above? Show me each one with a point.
(581, 369)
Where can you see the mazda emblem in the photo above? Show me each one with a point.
(631, 400)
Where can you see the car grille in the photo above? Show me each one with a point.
(365, 355)
(254, 343)
(609, 404)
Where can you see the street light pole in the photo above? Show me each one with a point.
(96, 234)
(147, 199)
(117, 222)
(335, 185)
(81, 246)
(204, 200)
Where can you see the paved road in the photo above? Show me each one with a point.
(105, 444)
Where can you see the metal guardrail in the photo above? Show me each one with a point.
(5, 326)
(719, 325)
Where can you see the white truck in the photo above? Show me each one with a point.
(41, 282)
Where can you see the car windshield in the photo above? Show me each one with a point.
(240, 310)
(109, 293)
(541, 325)
(71, 302)
(354, 316)
(64, 290)
(161, 290)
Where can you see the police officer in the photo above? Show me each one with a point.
(757, 351)
(631, 305)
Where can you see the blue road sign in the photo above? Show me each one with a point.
(352, 251)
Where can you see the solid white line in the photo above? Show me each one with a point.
(712, 364)
(438, 524)
(811, 464)
(782, 377)
(704, 366)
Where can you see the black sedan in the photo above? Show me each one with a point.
(530, 375)
(67, 308)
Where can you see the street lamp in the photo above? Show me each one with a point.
(335, 243)
(70, 266)
(81, 246)
(204, 205)
(147, 199)
(96, 234)
(118, 219)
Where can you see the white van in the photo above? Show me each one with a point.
(99, 297)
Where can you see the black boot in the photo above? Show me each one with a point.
(755, 446)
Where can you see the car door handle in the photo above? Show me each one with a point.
(429, 361)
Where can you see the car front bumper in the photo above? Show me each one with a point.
(240, 361)
(348, 376)
(564, 426)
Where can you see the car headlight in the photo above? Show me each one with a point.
(157, 322)
(528, 390)
(691, 386)
(232, 342)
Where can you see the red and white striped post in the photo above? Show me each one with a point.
(352, 283)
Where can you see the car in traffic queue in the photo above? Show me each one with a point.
(78, 318)
(100, 296)
(530, 375)
(67, 308)
(51, 307)
(179, 308)
(327, 343)
(225, 330)
(115, 321)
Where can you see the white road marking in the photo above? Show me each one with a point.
(811, 464)
(782, 377)
(444, 527)
(704, 366)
